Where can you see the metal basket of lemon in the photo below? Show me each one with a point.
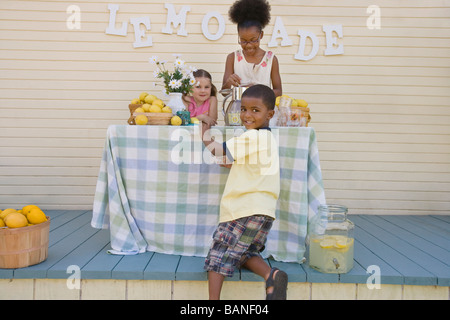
(24, 237)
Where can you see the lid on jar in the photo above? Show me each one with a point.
(334, 212)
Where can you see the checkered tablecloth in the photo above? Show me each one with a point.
(159, 190)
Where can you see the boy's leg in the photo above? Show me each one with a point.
(257, 265)
(215, 281)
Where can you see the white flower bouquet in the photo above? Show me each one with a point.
(180, 80)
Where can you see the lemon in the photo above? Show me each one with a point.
(327, 243)
(36, 216)
(6, 212)
(6, 217)
(2, 223)
(27, 209)
(343, 242)
(166, 109)
(155, 108)
(135, 101)
(141, 120)
(146, 107)
(195, 120)
(16, 220)
(142, 96)
(302, 103)
(294, 103)
(277, 101)
(150, 98)
(158, 102)
(176, 121)
(140, 109)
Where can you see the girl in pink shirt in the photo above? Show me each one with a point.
(203, 102)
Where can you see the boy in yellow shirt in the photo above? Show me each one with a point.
(248, 204)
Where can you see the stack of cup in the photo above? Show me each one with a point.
(284, 116)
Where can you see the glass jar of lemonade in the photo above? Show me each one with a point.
(331, 240)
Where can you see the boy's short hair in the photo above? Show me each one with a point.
(263, 92)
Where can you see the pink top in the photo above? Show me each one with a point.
(196, 110)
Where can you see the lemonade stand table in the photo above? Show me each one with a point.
(159, 191)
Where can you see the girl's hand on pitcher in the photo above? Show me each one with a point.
(233, 80)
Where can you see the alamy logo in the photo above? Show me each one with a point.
(374, 280)
(74, 280)
(189, 147)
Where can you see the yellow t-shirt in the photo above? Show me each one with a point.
(253, 184)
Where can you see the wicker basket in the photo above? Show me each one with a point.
(132, 107)
(156, 118)
(23, 247)
(300, 116)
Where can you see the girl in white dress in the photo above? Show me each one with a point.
(251, 64)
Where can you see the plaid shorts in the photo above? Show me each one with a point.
(234, 242)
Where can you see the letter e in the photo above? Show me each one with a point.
(139, 33)
(332, 41)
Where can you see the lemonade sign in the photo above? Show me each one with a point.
(178, 20)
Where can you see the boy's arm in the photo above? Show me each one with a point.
(217, 149)
(214, 147)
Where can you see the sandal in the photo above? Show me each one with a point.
(279, 284)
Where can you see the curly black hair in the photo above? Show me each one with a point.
(249, 13)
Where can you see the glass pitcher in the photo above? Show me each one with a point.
(331, 240)
(232, 112)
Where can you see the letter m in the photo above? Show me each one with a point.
(176, 19)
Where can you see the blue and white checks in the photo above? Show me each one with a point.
(157, 190)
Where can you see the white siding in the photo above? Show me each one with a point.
(381, 110)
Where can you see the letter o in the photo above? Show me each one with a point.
(205, 22)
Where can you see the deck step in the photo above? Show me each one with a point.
(412, 250)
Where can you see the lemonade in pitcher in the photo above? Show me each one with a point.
(331, 253)
(331, 240)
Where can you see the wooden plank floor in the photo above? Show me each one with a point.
(412, 250)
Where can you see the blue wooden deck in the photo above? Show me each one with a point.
(412, 250)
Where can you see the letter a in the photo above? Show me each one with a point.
(279, 31)
(74, 20)
(374, 21)
(373, 281)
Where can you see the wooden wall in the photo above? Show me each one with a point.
(381, 110)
